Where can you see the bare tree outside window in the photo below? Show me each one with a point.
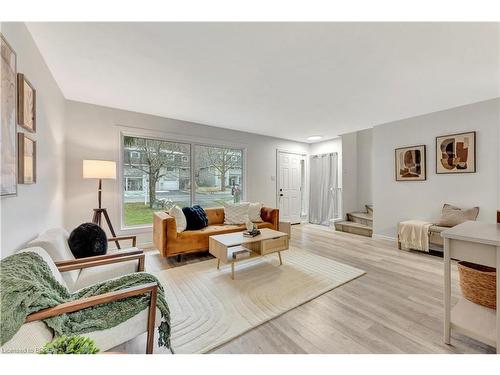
(158, 172)
(155, 172)
(218, 172)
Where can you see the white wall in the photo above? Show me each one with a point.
(396, 201)
(93, 133)
(364, 168)
(39, 206)
(349, 173)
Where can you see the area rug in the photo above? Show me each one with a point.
(209, 309)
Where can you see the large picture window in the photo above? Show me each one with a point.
(218, 173)
(157, 173)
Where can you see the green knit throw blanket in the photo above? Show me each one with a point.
(27, 285)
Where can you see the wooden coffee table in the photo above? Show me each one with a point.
(222, 246)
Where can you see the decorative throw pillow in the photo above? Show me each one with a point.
(235, 213)
(88, 240)
(196, 217)
(180, 219)
(452, 215)
(254, 212)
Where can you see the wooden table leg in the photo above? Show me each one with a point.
(279, 255)
(232, 270)
(218, 263)
(447, 291)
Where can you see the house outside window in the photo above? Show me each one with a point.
(157, 172)
(134, 184)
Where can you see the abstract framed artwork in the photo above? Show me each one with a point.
(27, 159)
(8, 87)
(26, 103)
(410, 163)
(456, 153)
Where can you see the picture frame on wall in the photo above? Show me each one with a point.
(411, 163)
(27, 159)
(26, 104)
(8, 102)
(456, 153)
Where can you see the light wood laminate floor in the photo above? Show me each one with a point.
(397, 307)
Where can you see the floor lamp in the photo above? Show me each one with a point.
(101, 169)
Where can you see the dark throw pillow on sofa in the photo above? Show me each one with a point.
(196, 217)
(88, 240)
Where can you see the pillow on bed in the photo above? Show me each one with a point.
(452, 215)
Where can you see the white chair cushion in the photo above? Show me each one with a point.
(235, 213)
(180, 219)
(29, 339)
(48, 259)
(92, 275)
(135, 326)
(55, 243)
(32, 336)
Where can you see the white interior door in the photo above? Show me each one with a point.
(289, 186)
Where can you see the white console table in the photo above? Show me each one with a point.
(475, 242)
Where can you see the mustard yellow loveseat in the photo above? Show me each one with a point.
(170, 243)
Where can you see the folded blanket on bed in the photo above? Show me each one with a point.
(414, 234)
(27, 285)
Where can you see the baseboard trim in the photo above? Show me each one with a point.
(146, 245)
(383, 237)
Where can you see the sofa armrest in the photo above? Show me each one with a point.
(164, 230)
(270, 215)
(101, 260)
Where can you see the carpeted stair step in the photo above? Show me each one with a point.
(354, 228)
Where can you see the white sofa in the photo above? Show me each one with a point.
(76, 274)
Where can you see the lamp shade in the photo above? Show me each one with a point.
(99, 169)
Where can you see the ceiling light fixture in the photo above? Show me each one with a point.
(315, 138)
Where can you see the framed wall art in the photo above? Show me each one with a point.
(26, 103)
(8, 163)
(456, 153)
(27, 159)
(410, 163)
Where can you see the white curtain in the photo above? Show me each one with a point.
(323, 190)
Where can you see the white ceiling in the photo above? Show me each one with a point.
(289, 80)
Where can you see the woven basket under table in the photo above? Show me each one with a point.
(478, 283)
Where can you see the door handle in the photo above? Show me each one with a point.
(281, 195)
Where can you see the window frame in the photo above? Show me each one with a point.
(175, 138)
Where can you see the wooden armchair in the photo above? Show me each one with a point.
(101, 260)
(82, 272)
(120, 238)
(68, 307)
(34, 333)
